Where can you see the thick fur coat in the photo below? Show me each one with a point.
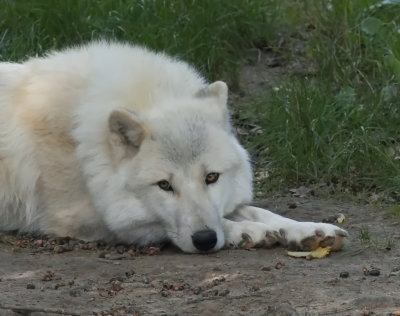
(111, 141)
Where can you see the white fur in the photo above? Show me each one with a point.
(87, 133)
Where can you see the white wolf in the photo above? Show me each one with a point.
(111, 141)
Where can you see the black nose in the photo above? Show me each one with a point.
(205, 240)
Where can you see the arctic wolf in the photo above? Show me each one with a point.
(115, 142)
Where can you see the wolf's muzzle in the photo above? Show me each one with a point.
(204, 240)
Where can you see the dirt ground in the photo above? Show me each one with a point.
(41, 277)
(37, 281)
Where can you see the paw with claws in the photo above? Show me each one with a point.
(305, 236)
(297, 236)
(270, 240)
(248, 234)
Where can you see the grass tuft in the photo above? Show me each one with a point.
(341, 125)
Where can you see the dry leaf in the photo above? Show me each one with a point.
(341, 218)
(338, 218)
(316, 254)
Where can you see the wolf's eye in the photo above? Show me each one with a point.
(165, 185)
(212, 177)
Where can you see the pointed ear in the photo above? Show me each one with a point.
(218, 90)
(127, 133)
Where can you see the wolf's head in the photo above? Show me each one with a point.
(184, 168)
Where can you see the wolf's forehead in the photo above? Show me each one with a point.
(183, 141)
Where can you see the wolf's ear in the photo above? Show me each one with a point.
(127, 133)
(218, 90)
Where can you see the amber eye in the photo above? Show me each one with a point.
(212, 177)
(165, 185)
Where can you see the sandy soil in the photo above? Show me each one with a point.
(38, 281)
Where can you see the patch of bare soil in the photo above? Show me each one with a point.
(37, 278)
(264, 67)
(41, 276)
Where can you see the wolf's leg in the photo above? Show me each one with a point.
(251, 226)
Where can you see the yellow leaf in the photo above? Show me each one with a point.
(320, 252)
(299, 254)
(316, 254)
(340, 219)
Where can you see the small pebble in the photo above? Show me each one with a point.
(60, 240)
(145, 280)
(344, 274)
(279, 265)
(374, 272)
(117, 286)
(59, 249)
(121, 249)
(30, 286)
(330, 219)
(118, 278)
(58, 285)
(164, 293)
(101, 243)
(196, 290)
(255, 288)
(39, 242)
(177, 288)
(75, 292)
(48, 276)
(150, 251)
(266, 269)
(224, 292)
(395, 271)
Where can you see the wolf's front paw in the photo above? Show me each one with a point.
(247, 234)
(265, 240)
(306, 236)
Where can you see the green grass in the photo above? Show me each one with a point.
(364, 235)
(340, 126)
(383, 241)
(213, 35)
(394, 211)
